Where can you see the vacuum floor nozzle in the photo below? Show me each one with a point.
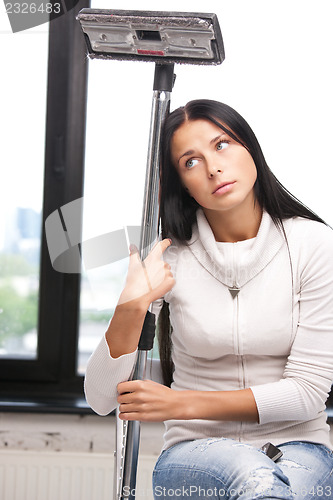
(174, 37)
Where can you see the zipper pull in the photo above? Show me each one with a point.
(234, 291)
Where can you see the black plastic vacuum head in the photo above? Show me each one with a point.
(174, 37)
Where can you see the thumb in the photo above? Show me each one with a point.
(133, 249)
(134, 257)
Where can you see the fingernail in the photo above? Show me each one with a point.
(170, 241)
(132, 248)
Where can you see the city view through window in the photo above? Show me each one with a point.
(21, 192)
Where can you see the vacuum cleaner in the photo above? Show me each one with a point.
(165, 38)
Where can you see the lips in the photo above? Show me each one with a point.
(222, 185)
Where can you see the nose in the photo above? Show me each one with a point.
(211, 174)
(213, 165)
(212, 170)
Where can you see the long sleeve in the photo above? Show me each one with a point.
(104, 373)
(307, 378)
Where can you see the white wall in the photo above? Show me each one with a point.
(67, 457)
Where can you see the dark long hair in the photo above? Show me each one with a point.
(178, 209)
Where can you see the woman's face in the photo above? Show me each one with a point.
(217, 171)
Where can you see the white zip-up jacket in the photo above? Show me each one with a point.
(253, 314)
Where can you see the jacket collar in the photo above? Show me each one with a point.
(231, 263)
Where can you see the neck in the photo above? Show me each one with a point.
(234, 225)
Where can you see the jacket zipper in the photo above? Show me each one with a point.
(237, 334)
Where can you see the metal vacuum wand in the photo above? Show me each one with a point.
(163, 83)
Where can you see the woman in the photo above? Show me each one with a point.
(246, 327)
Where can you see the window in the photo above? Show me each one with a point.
(21, 195)
(41, 368)
(44, 369)
(115, 168)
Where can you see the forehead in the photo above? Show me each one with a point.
(194, 132)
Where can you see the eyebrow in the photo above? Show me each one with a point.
(217, 137)
(188, 153)
(191, 151)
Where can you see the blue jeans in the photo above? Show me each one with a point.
(224, 468)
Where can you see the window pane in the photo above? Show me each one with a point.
(23, 105)
(118, 120)
(115, 168)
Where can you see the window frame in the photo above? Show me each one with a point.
(50, 382)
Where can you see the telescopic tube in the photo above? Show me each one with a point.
(163, 83)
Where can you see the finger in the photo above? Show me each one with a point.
(135, 259)
(133, 249)
(125, 387)
(142, 416)
(129, 408)
(134, 254)
(160, 247)
(164, 244)
(131, 416)
(147, 277)
(125, 398)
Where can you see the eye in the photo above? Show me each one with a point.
(191, 163)
(222, 145)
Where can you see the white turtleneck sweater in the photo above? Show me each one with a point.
(275, 336)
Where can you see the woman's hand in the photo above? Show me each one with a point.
(147, 401)
(150, 279)
(146, 282)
